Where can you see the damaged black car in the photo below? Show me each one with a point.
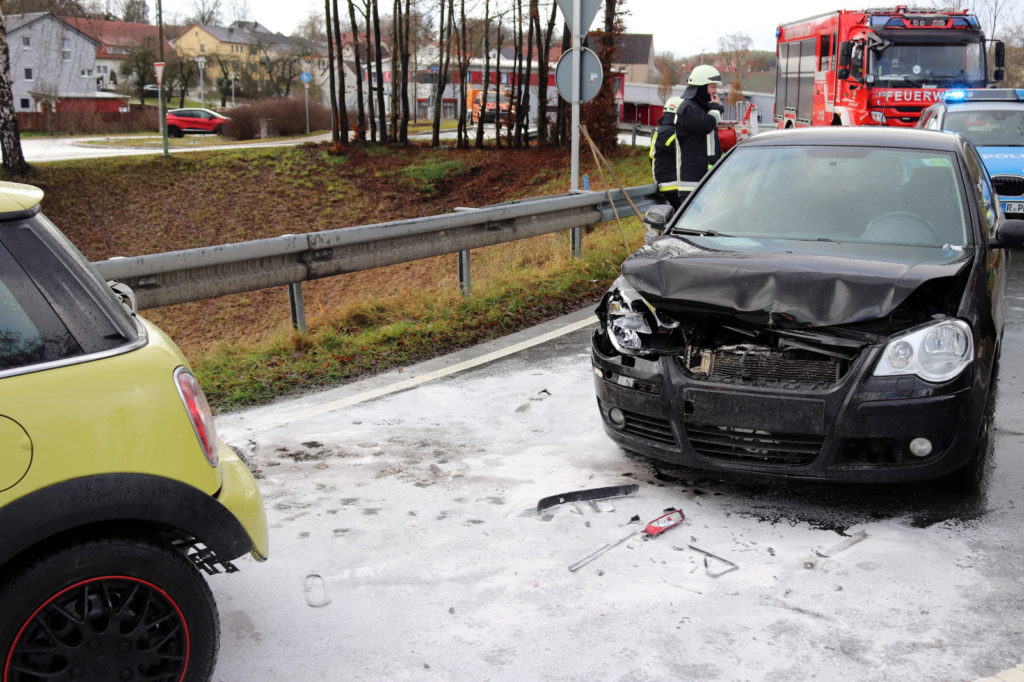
(827, 304)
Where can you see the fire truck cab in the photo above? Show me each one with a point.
(878, 66)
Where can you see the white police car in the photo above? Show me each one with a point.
(993, 121)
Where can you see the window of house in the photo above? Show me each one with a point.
(28, 74)
(65, 49)
(25, 103)
(202, 47)
(26, 42)
(86, 73)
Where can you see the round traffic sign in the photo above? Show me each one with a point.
(591, 75)
(306, 77)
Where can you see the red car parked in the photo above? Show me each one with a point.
(181, 121)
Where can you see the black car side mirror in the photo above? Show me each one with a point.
(1009, 235)
(657, 216)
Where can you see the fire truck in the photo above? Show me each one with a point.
(877, 66)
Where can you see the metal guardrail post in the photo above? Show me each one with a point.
(298, 309)
(576, 239)
(464, 274)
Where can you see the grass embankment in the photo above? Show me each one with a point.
(242, 347)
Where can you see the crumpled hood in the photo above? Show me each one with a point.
(807, 283)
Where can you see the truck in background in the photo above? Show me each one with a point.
(877, 66)
(499, 105)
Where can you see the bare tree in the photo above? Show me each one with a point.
(206, 12)
(312, 28)
(487, 73)
(379, 67)
(238, 10)
(136, 11)
(342, 105)
(361, 112)
(331, 37)
(10, 135)
(444, 32)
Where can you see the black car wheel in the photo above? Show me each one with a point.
(219, 130)
(174, 131)
(108, 609)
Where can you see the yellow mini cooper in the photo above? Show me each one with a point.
(115, 493)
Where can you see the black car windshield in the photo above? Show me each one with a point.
(831, 193)
(988, 127)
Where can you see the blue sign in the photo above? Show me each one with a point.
(306, 77)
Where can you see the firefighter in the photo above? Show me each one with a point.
(664, 153)
(697, 123)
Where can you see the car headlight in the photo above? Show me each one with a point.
(937, 352)
(878, 117)
(632, 323)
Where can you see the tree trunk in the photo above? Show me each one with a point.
(360, 110)
(543, 73)
(381, 111)
(335, 136)
(487, 71)
(404, 134)
(439, 80)
(10, 136)
(370, 105)
(342, 105)
(561, 119)
(396, 64)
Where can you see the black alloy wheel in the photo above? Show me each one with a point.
(108, 609)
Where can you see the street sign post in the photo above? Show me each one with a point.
(306, 77)
(578, 14)
(158, 67)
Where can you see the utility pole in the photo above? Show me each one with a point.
(160, 89)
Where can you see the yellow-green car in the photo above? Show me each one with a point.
(115, 493)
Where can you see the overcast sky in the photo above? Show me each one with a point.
(680, 26)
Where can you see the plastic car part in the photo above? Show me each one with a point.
(671, 519)
(598, 552)
(840, 546)
(589, 494)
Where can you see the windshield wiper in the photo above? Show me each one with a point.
(702, 233)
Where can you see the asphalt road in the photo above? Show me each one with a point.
(406, 544)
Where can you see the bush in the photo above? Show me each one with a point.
(286, 116)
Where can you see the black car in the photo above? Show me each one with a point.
(828, 303)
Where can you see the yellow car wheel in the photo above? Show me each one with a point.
(108, 608)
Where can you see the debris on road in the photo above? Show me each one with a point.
(598, 552)
(589, 494)
(715, 573)
(315, 590)
(671, 519)
(843, 545)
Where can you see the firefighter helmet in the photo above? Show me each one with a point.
(672, 105)
(704, 75)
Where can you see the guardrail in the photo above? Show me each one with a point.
(162, 279)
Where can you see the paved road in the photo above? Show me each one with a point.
(406, 544)
(38, 149)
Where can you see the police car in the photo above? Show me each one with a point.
(993, 120)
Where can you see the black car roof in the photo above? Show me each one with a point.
(870, 136)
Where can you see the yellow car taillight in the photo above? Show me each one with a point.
(199, 412)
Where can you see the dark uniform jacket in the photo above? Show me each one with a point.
(697, 134)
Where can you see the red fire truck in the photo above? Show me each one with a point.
(877, 66)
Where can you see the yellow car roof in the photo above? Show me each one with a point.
(16, 197)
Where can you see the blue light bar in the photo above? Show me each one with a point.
(955, 95)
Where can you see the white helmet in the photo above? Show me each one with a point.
(704, 75)
(672, 105)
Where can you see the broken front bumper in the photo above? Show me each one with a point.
(858, 429)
